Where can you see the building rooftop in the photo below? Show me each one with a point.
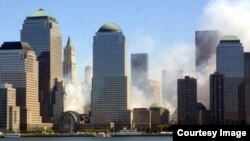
(15, 46)
(156, 105)
(230, 38)
(5, 85)
(200, 106)
(40, 13)
(110, 27)
(69, 43)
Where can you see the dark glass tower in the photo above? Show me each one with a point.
(187, 99)
(230, 63)
(110, 95)
(42, 32)
(247, 86)
(216, 98)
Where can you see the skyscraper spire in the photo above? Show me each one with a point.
(69, 63)
(69, 43)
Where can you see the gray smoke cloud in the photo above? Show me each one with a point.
(227, 16)
(230, 17)
(176, 56)
(74, 99)
(179, 57)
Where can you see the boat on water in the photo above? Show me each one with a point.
(166, 133)
(128, 132)
(1, 135)
(12, 135)
(102, 134)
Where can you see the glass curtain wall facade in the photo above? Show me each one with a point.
(42, 32)
(110, 95)
(230, 63)
(21, 69)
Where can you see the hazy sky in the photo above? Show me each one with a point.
(149, 25)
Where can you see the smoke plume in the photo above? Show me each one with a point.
(74, 99)
(230, 17)
(77, 97)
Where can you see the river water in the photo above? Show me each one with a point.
(88, 139)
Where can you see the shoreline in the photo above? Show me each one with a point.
(82, 135)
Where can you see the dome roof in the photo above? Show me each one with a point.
(156, 105)
(40, 13)
(73, 114)
(110, 27)
(200, 106)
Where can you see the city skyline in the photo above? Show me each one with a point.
(153, 40)
(167, 35)
(203, 72)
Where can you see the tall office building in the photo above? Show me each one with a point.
(9, 112)
(230, 62)
(247, 86)
(216, 98)
(110, 94)
(58, 100)
(42, 32)
(86, 87)
(21, 70)
(139, 71)
(187, 99)
(88, 74)
(169, 87)
(69, 63)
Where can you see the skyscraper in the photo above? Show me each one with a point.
(169, 87)
(86, 87)
(216, 98)
(69, 63)
(230, 63)
(9, 112)
(58, 100)
(88, 74)
(21, 70)
(42, 32)
(110, 94)
(187, 99)
(247, 86)
(139, 71)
